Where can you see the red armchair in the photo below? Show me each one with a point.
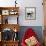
(29, 36)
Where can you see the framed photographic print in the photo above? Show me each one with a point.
(30, 13)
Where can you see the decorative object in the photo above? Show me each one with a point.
(15, 30)
(30, 38)
(30, 13)
(7, 34)
(15, 3)
(5, 12)
(31, 41)
(13, 12)
(15, 37)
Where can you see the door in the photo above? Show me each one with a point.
(44, 6)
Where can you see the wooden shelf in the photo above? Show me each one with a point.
(11, 26)
(9, 43)
(4, 13)
(9, 8)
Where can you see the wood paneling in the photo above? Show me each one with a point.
(10, 43)
(44, 6)
(11, 26)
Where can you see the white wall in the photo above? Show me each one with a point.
(27, 3)
(39, 13)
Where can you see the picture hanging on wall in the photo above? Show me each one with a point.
(30, 13)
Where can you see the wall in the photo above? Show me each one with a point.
(39, 13)
(27, 3)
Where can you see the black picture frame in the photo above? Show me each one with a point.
(30, 13)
